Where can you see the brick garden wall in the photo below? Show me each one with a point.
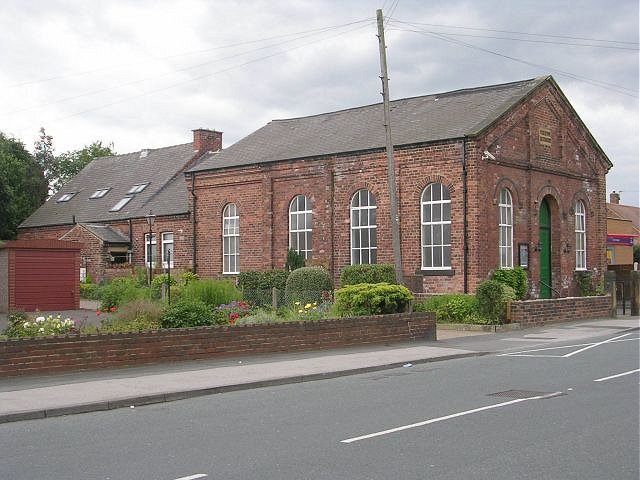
(531, 313)
(86, 352)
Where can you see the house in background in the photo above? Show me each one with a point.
(623, 231)
(489, 177)
(105, 206)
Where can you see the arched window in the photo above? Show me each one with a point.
(230, 239)
(581, 236)
(506, 229)
(300, 226)
(435, 218)
(363, 228)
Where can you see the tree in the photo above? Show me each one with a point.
(70, 163)
(23, 187)
(43, 153)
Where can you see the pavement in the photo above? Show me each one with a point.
(34, 397)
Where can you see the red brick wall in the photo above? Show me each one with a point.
(84, 352)
(531, 313)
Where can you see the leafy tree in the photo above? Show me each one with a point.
(70, 163)
(23, 187)
(43, 153)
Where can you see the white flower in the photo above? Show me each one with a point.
(26, 324)
(39, 319)
(41, 330)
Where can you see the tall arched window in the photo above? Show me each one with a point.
(435, 219)
(506, 229)
(300, 226)
(363, 228)
(230, 239)
(581, 236)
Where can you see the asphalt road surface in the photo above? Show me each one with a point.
(543, 408)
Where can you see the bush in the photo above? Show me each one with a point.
(89, 291)
(371, 299)
(457, 309)
(585, 283)
(295, 260)
(266, 280)
(120, 291)
(157, 283)
(191, 313)
(20, 325)
(492, 298)
(188, 277)
(307, 284)
(230, 313)
(211, 292)
(135, 316)
(516, 278)
(355, 274)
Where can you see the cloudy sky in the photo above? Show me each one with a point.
(143, 74)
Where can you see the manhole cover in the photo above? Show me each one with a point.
(520, 394)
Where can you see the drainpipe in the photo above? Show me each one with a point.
(193, 222)
(465, 228)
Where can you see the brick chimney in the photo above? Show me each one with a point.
(614, 197)
(207, 140)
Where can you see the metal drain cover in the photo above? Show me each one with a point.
(522, 394)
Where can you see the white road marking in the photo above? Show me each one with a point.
(597, 344)
(522, 353)
(604, 379)
(446, 417)
(192, 477)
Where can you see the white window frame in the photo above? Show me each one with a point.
(153, 250)
(581, 235)
(430, 227)
(120, 205)
(137, 188)
(66, 197)
(363, 228)
(301, 226)
(167, 244)
(230, 240)
(99, 193)
(505, 229)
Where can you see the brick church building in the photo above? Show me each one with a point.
(489, 177)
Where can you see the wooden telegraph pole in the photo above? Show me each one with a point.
(391, 167)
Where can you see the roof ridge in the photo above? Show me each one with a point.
(143, 149)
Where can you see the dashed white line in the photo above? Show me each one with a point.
(604, 379)
(440, 419)
(193, 477)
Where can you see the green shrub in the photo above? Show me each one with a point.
(457, 309)
(89, 291)
(516, 278)
(307, 285)
(377, 273)
(266, 280)
(492, 298)
(211, 292)
(160, 280)
(432, 303)
(585, 283)
(188, 277)
(187, 313)
(120, 291)
(295, 260)
(135, 316)
(371, 299)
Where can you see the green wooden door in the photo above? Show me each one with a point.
(545, 250)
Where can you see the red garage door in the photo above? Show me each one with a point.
(43, 275)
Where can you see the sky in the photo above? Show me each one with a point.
(143, 74)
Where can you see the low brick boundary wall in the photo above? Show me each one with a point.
(531, 313)
(43, 355)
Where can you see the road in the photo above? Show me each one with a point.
(543, 407)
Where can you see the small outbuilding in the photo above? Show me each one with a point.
(39, 275)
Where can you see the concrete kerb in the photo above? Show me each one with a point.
(141, 400)
(465, 327)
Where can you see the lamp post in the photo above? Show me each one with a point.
(151, 218)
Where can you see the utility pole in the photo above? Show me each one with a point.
(391, 167)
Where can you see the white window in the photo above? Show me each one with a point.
(506, 229)
(230, 239)
(99, 193)
(66, 197)
(118, 206)
(363, 228)
(581, 236)
(167, 249)
(137, 188)
(300, 226)
(435, 218)
(149, 249)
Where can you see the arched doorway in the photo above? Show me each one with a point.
(544, 241)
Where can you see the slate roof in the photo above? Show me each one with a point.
(625, 212)
(106, 233)
(165, 194)
(413, 120)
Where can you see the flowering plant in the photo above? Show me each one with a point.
(231, 312)
(22, 326)
(309, 311)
